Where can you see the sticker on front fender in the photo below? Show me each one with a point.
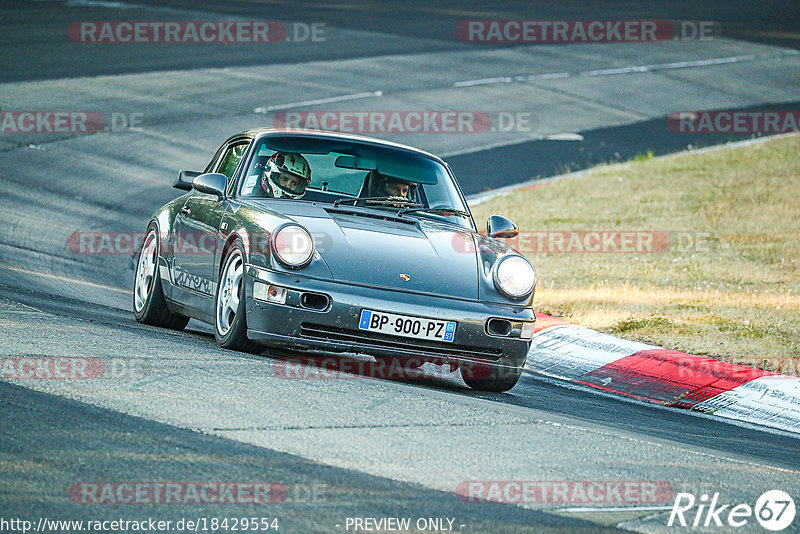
(406, 326)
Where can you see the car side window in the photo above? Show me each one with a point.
(233, 155)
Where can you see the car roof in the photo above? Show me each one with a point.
(334, 136)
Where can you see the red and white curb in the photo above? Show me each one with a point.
(584, 356)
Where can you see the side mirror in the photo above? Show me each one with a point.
(499, 226)
(212, 183)
(184, 180)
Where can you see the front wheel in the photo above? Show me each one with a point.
(149, 305)
(490, 378)
(230, 321)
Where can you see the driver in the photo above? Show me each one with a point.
(285, 175)
(381, 185)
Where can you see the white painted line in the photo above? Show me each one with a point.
(341, 98)
(565, 136)
(620, 70)
(175, 139)
(670, 66)
(615, 509)
(483, 81)
(108, 5)
(551, 76)
(631, 69)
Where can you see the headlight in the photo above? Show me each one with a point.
(293, 245)
(514, 277)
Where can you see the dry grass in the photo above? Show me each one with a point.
(728, 283)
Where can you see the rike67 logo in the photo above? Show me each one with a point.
(774, 510)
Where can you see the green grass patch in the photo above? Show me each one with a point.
(725, 282)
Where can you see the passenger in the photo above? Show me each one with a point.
(381, 185)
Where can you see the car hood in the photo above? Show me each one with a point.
(404, 253)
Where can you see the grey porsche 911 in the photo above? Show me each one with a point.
(313, 241)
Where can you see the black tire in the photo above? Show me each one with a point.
(490, 378)
(231, 331)
(149, 305)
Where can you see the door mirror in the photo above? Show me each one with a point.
(212, 183)
(184, 180)
(499, 226)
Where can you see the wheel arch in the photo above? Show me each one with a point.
(242, 236)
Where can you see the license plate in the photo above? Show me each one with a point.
(403, 325)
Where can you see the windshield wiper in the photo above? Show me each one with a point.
(379, 201)
(436, 211)
(339, 201)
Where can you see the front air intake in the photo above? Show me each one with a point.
(498, 327)
(314, 301)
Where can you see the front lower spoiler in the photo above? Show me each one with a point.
(334, 328)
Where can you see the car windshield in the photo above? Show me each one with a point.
(350, 173)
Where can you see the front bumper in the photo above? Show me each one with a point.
(295, 326)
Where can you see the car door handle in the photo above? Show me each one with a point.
(186, 211)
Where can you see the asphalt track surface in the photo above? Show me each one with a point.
(174, 407)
